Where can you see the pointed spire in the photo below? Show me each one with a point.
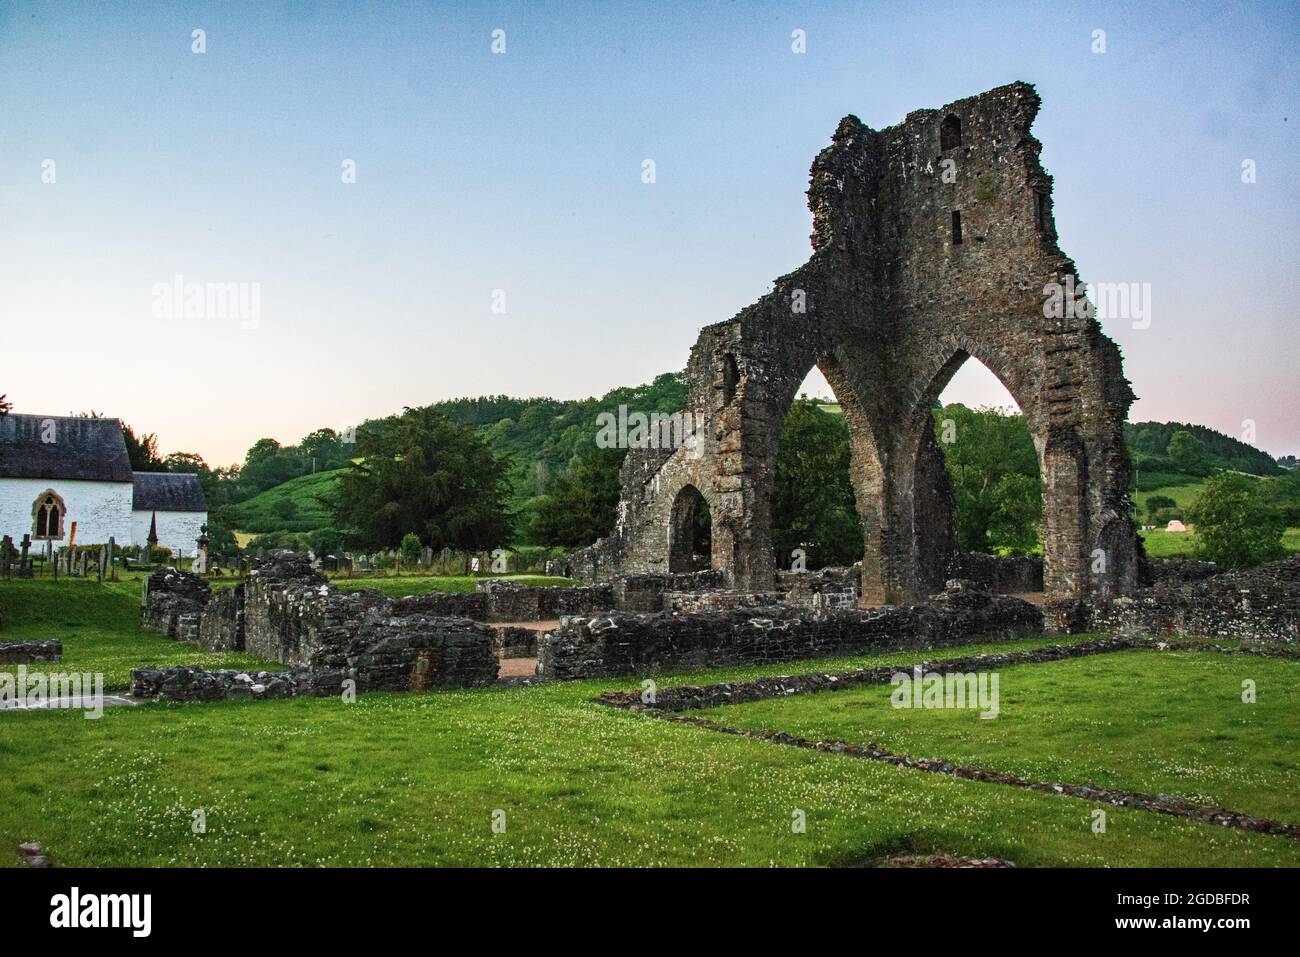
(153, 531)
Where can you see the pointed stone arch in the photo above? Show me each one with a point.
(889, 307)
(49, 516)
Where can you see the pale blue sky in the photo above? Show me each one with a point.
(522, 171)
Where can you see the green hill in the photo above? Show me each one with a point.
(1148, 444)
(294, 506)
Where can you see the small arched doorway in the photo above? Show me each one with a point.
(690, 543)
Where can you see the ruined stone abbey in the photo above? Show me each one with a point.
(933, 242)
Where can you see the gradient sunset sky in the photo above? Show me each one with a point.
(522, 172)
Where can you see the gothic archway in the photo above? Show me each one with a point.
(689, 532)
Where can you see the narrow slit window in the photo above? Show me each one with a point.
(1040, 211)
(956, 228)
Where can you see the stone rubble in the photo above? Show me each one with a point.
(30, 651)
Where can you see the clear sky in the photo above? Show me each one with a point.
(522, 172)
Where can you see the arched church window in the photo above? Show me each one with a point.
(49, 512)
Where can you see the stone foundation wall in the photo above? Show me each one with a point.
(1160, 570)
(221, 627)
(514, 642)
(632, 644)
(191, 683)
(498, 600)
(694, 602)
(1007, 576)
(826, 588)
(1261, 604)
(390, 644)
(170, 594)
(646, 593)
(28, 652)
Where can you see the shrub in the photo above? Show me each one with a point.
(411, 549)
(1234, 526)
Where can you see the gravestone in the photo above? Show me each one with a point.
(200, 566)
(25, 563)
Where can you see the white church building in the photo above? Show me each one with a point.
(62, 477)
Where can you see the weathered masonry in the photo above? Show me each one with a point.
(933, 241)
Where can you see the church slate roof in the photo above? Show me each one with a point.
(63, 447)
(165, 492)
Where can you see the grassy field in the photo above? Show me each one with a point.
(415, 779)
(1162, 544)
(261, 513)
(1183, 494)
(99, 625)
(1163, 722)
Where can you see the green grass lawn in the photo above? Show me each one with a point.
(398, 779)
(1162, 722)
(99, 625)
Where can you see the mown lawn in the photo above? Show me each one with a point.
(415, 780)
(1162, 722)
(397, 779)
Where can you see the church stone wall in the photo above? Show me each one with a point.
(175, 530)
(933, 243)
(100, 509)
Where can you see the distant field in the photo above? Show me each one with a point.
(1162, 544)
(1152, 482)
(1183, 489)
(1183, 493)
(265, 513)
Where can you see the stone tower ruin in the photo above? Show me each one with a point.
(933, 241)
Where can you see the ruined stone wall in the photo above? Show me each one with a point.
(29, 652)
(647, 593)
(646, 644)
(1258, 605)
(1178, 570)
(515, 642)
(1008, 576)
(821, 589)
(929, 248)
(171, 603)
(221, 627)
(284, 611)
